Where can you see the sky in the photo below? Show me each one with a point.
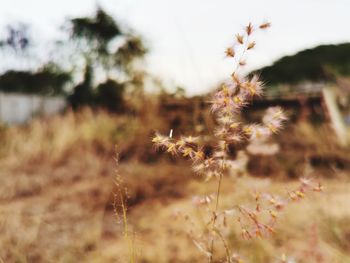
(187, 38)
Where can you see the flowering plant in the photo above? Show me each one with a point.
(230, 133)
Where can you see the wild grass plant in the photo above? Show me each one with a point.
(55, 189)
(120, 211)
(233, 141)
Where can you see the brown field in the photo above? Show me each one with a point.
(57, 181)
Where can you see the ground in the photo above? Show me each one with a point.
(58, 182)
(69, 218)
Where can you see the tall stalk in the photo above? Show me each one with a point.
(215, 215)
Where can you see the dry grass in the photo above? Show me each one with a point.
(56, 191)
(232, 140)
(56, 184)
(312, 231)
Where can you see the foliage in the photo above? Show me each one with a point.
(83, 93)
(321, 63)
(97, 50)
(110, 95)
(95, 41)
(98, 30)
(48, 80)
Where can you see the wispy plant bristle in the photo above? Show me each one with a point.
(227, 104)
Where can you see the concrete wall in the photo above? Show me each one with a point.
(20, 108)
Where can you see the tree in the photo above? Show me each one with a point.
(110, 95)
(97, 51)
(83, 93)
(50, 79)
(321, 63)
(47, 79)
(104, 47)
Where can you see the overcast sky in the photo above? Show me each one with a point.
(187, 38)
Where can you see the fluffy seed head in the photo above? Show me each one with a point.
(265, 25)
(239, 39)
(249, 29)
(171, 148)
(230, 52)
(160, 140)
(251, 45)
(254, 86)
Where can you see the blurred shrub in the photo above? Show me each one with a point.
(110, 96)
(48, 80)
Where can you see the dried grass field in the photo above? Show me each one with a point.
(57, 181)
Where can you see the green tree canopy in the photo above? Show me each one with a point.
(98, 58)
(106, 50)
(321, 63)
(48, 80)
